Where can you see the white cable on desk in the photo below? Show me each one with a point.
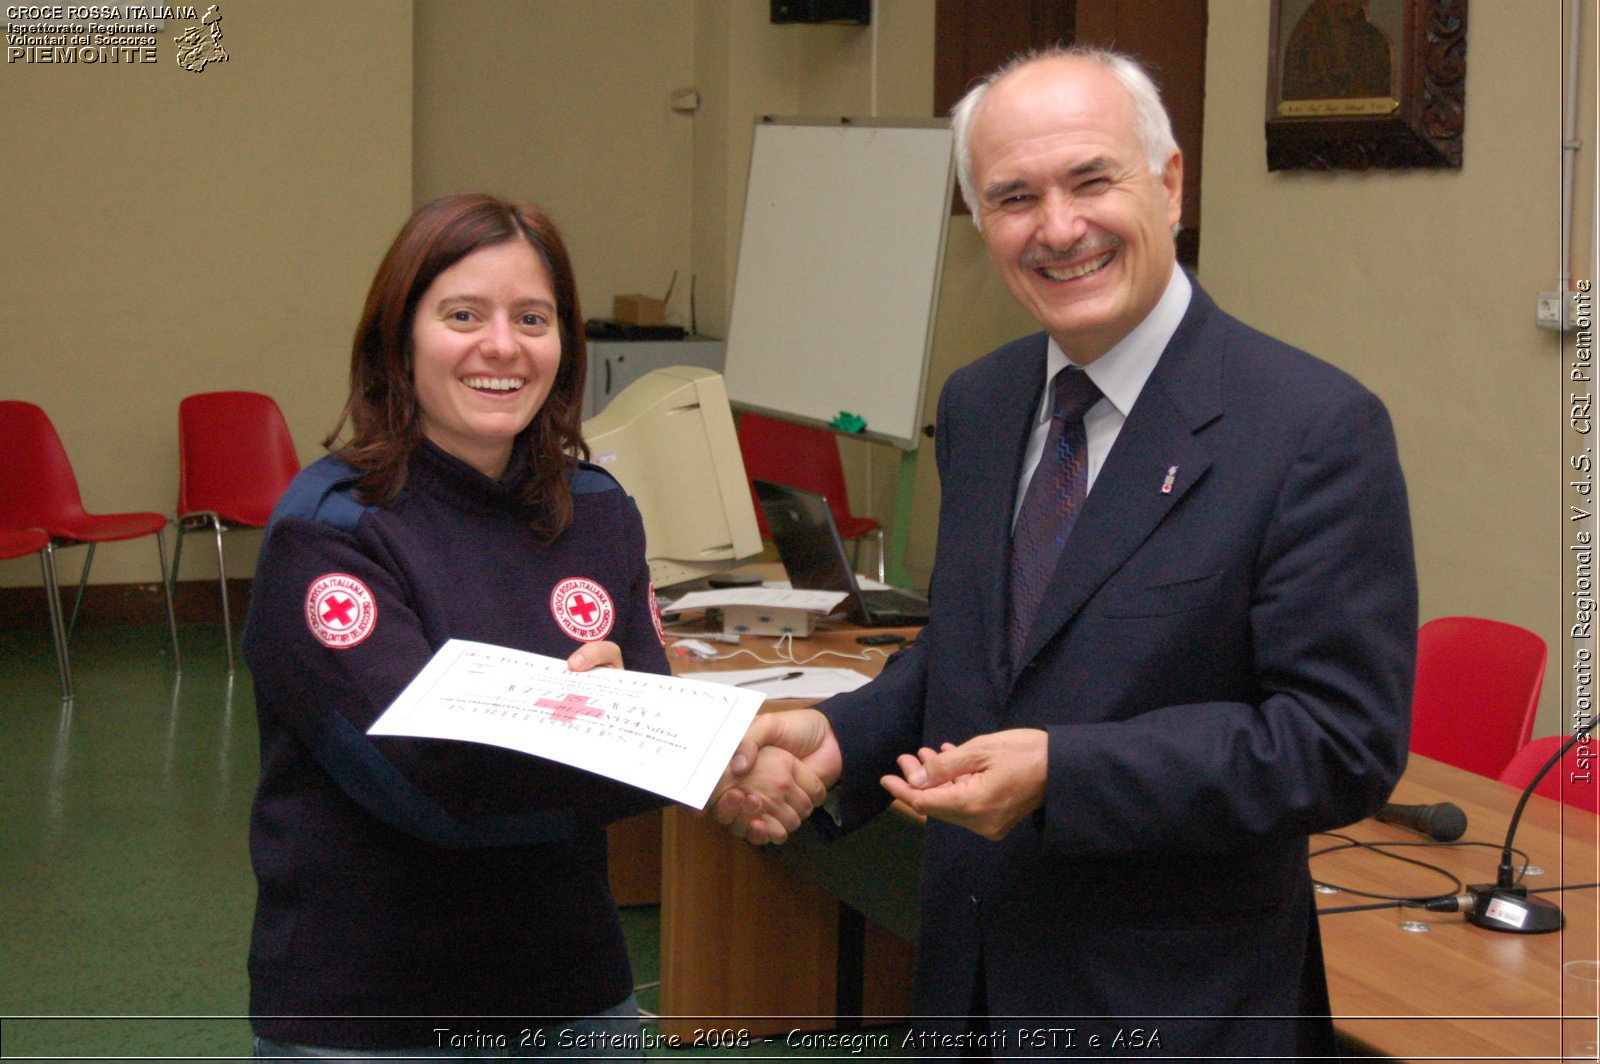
(785, 649)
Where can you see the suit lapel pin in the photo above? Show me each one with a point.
(1166, 485)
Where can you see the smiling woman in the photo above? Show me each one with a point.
(515, 256)
(415, 892)
(487, 352)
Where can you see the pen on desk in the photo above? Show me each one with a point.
(771, 679)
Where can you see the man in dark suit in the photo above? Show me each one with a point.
(1173, 631)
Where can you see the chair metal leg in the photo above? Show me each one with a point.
(83, 582)
(855, 553)
(166, 591)
(177, 555)
(222, 580)
(58, 633)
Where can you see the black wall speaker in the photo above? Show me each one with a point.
(817, 12)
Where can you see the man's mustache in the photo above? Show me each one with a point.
(1087, 248)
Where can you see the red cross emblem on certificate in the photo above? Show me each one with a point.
(568, 707)
(340, 611)
(583, 609)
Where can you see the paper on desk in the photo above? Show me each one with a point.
(659, 733)
(865, 583)
(811, 683)
(816, 601)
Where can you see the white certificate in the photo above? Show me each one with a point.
(670, 736)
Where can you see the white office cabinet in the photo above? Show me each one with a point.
(614, 364)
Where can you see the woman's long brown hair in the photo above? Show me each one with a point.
(382, 411)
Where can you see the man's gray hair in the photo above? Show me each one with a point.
(1151, 123)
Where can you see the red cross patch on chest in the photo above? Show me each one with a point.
(583, 609)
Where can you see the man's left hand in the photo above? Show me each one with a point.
(987, 784)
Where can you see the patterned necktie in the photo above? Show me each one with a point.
(1055, 495)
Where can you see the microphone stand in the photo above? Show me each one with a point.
(1506, 905)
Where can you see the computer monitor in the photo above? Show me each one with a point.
(669, 439)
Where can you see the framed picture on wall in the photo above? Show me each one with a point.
(1355, 84)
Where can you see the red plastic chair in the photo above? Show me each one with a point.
(19, 542)
(39, 490)
(1572, 782)
(807, 458)
(236, 459)
(1477, 690)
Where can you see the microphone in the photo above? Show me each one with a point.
(1505, 904)
(1442, 821)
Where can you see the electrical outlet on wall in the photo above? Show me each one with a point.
(1554, 310)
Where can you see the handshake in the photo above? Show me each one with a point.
(787, 762)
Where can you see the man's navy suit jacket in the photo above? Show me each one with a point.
(1223, 662)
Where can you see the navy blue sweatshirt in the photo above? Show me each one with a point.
(432, 880)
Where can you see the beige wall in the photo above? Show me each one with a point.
(566, 102)
(1422, 284)
(168, 232)
(641, 190)
(976, 314)
(746, 67)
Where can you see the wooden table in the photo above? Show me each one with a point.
(1457, 990)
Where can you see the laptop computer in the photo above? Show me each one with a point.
(814, 555)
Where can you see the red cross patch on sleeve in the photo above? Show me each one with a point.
(583, 609)
(655, 617)
(340, 611)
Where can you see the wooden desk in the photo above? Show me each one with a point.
(1458, 990)
(744, 936)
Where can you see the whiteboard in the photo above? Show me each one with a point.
(838, 275)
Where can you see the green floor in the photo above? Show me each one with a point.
(125, 885)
